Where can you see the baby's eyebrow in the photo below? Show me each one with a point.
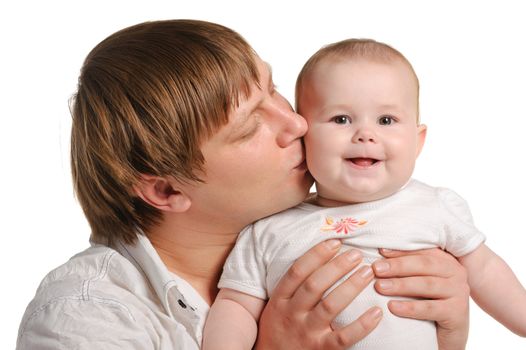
(339, 108)
(388, 106)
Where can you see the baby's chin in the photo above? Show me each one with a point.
(354, 197)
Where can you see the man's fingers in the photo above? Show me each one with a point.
(437, 310)
(417, 287)
(414, 265)
(339, 298)
(304, 267)
(390, 253)
(420, 310)
(351, 334)
(312, 289)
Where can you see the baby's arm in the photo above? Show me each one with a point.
(232, 321)
(496, 289)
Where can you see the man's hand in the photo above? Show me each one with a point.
(296, 316)
(439, 279)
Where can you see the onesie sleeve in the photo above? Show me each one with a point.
(244, 269)
(460, 234)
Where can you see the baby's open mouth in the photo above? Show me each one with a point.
(363, 161)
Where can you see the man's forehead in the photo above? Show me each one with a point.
(265, 74)
(258, 91)
(269, 70)
(240, 113)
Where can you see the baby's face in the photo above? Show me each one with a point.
(363, 137)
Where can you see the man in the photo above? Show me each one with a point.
(179, 140)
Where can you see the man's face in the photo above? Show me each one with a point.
(255, 164)
(363, 136)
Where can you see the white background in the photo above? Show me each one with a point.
(470, 58)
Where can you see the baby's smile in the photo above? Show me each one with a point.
(363, 162)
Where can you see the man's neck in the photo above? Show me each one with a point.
(196, 254)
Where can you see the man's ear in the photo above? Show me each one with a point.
(163, 194)
(421, 133)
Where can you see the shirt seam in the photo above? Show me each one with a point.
(470, 246)
(137, 264)
(254, 291)
(85, 293)
(254, 233)
(151, 283)
(102, 273)
(99, 300)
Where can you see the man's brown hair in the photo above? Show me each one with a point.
(147, 97)
(353, 49)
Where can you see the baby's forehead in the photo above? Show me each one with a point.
(392, 84)
(335, 62)
(343, 71)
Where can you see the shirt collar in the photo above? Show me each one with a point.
(179, 299)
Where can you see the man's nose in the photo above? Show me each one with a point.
(294, 127)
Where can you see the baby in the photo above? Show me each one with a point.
(360, 99)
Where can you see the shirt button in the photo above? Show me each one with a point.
(180, 302)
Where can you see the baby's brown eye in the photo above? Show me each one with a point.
(385, 120)
(341, 119)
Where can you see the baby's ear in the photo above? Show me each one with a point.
(163, 194)
(421, 133)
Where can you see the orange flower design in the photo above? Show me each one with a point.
(346, 225)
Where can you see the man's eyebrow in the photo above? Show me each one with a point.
(270, 84)
(246, 114)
